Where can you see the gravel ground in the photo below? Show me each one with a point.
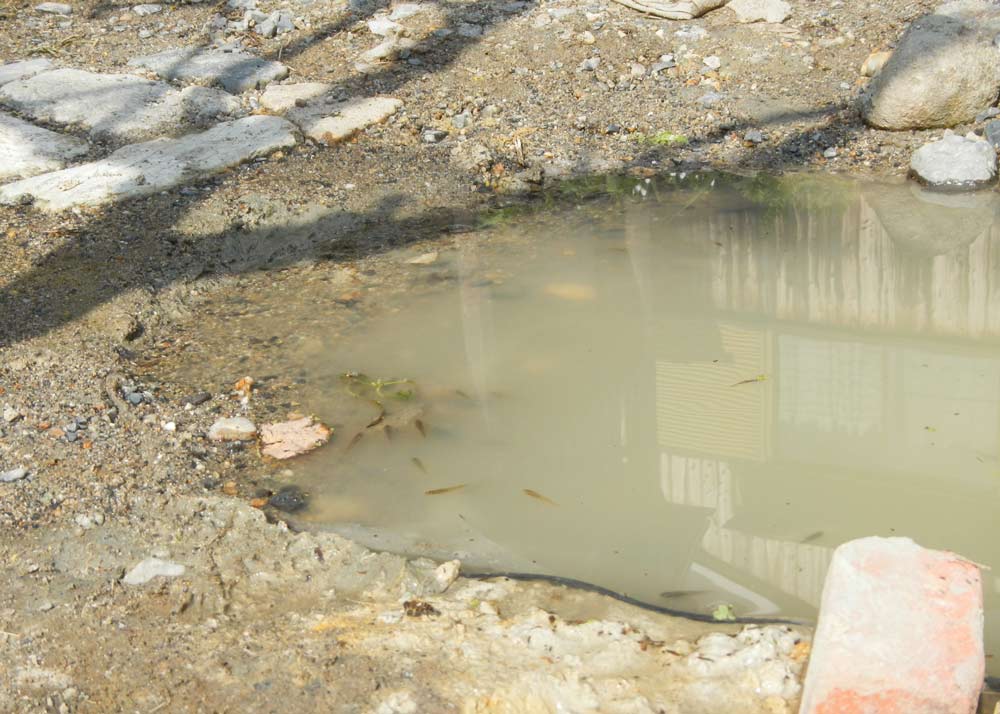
(91, 299)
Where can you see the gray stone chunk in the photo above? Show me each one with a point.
(955, 162)
(329, 123)
(233, 71)
(151, 568)
(147, 9)
(232, 429)
(22, 70)
(943, 72)
(117, 106)
(28, 150)
(993, 133)
(154, 166)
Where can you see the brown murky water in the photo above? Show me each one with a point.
(688, 394)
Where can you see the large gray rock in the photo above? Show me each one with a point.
(955, 162)
(23, 69)
(28, 150)
(944, 71)
(116, 106)
(233, 71)
(154, 166)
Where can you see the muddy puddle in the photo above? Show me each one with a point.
(688, 391)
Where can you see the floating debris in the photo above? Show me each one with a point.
(758, 378)
(724, 613)
(540, 497)
(292, 438)
(447, 489)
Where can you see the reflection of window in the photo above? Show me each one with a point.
(830, 386)
(698, 408)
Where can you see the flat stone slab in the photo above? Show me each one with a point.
(235, 72)
(54, 8)
(328, 122)
(153, 166)
(280, 98)
(900, 632)
(116, 106)
(22, 70)
(151, 568)
(28, 150)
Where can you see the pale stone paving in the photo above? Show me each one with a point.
(114, 106)
(233, 71)
(154, 166)
(28, 150)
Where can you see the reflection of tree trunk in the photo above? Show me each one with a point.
(477, 325)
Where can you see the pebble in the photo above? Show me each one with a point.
(754, 136)
(587, 37)
(830, 153)
(13, 475)
(195, 399)
(10, 414)
(987, 114)
(433, 136)
(590, 64)
(151, 568)
(147, 9)
(637, 69)
(289, 499)
(54, 8)
(712, 62)
(993, 133)
(461, 121)
(232, 429)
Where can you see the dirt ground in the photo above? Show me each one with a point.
(264, 619)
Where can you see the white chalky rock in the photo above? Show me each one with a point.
(147, 9)
(151, 568)
(955, 162)
(28, 150)
(23, 69)
(153, 166)
(760, 10)
(384, 27)
(54, 8)
(13, 475)
(117, 106)
(280, 98)
(233, 71)
(330, 123)
(232, 429)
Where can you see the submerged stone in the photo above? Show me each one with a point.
(232, 429)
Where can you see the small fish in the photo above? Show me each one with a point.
(812, 536)
(448, 489)
(387, 430)
(354, 440)
(670, 594)
(376, 421)
(420, 427)
(758, 378)
(462, 394)
(540, 497)
(419, 464)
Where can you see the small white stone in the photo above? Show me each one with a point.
(151, 568)
(13, 475)
(712, 62)
(147, 9)
(232, 429)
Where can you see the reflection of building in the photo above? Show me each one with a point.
(864, 418)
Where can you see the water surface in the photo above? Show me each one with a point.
(689, 393)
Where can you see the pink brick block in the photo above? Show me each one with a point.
(900, 632)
